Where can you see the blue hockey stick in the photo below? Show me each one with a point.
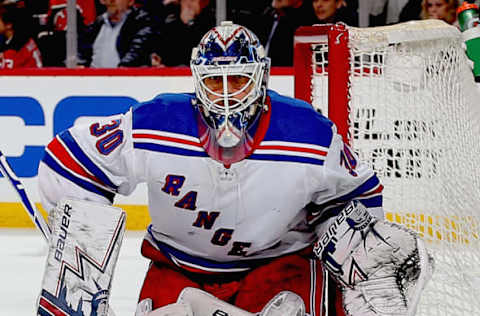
(32, 211)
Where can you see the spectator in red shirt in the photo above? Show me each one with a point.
(17, 49)
(58, 11)
(52, 39)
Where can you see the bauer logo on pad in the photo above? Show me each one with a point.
(83, 252)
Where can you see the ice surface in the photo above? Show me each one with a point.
(22, 258)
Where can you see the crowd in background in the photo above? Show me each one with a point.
(159, 33)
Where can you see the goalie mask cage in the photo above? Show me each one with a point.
(404, 98)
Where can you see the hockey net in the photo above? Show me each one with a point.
(404, 98)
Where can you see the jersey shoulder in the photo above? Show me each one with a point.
(168, 112)
(294, 120)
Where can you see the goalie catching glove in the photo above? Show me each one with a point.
(382, 267)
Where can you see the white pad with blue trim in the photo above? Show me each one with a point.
(83, 252)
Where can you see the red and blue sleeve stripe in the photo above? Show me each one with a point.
(290, 152)
(369, 193)
(65, 157)
(54, 165)
(79, 155)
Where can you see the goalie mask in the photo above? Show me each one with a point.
(230, 72)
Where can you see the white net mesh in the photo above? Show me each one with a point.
(414, 115)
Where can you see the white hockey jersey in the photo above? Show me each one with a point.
(205, 216)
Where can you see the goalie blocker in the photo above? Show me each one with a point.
(382, 267)
(83, 252)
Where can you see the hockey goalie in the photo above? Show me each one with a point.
(256, 204)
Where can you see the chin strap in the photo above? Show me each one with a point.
(250, 140)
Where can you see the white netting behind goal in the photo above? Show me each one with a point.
(413, 112)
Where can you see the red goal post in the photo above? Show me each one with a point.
(403, 96)
(335, 37)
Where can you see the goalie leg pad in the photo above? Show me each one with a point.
(83, 252)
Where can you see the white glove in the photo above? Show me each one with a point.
(382, 266)
(285, 303)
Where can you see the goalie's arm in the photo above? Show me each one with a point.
(344, 178)
(92, 161)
